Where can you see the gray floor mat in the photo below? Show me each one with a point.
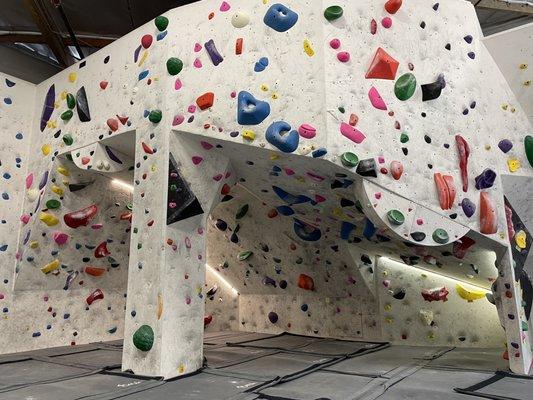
(221, 338)
(31, 371)
(472, 359)
(336, 347)
(224, 356)
(386, 360)
(502, 386)
(99, 358)
(320, 385)
(285, 342)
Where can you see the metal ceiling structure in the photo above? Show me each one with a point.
(60, 32)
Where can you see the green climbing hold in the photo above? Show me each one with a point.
(395, 217)
(405, 86)
(242, 211)
(52, 204)
(174, 65)
(349, 160)
(67, 115)
(129, 206)
(244, 255)
(155, 116)
(67, 139)
(143, 338)
(440, 236)
(71, 101)
(528, 144)
(342, 110)
(161, 23)
(525, 326)
(333, 12)
(404, 138)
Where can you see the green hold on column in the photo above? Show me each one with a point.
(349, 160)
(395, 217)
(53, 204)
(143, 338)
(528, 144)
(71, 101)
(333, 12)
(244, 255)
(67, 115)
(440, 236)
(174, 65)
(155, 116)
(405, 87)
(161, 23)
(67, 139)
(404, 138)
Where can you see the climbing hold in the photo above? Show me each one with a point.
(461, 246)
(52, 204)
(48, 107)
(343, 56)
(418, 236)
(513, 164)
(251, 111)
(50, 267)
(469, 294)
(146, 41)
(82, 105)
(261, 65)
(392, 6)
(205, 101)
(405, 87)
(438, 294)
(161, 22)
(486, 179)
(445, 190)
(241, 212)
(112, 123)
(355, 135)
(440, 236)
(67, 139)
(214, 55)
(155, 116)
(143, 338)
(48, 219)
(244, 255)
(367, 168)
(469, 208)
(349, 159)
(306, 232)
(273, 317)
(60, 238)
(71, 101)
(528, 147)
(240, 19)
(95, 295)
(94, 271)
(505, 145)
(395, 217)
(376, 99)
(333, 12)
(308, 49)
(280, 18)
(81, 217)
(101, 250)
(67, 115)
(396, 169)
(488, 217)
(306, 282)
(432, 91)
(248, 134)
(279, 135)
(383, 66)
(464, 153)
(174, 65)
(307, 131)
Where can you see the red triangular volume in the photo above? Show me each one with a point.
(383, 66)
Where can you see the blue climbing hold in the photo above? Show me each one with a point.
(320, 152)
(285, 210)
(280, 18)
(261, 64)
(346, 230)
(251, 111)
(306, 232)
(290, 198)
(279, 135)
(369, 229)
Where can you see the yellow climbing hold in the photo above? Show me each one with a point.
(57, 190)
(523, 66)
(431, 335)
(248, 135)
(274, 157)
(63, 171)
(505, 106)
(46, 149)
(308, 49)
(34, 244)
(275, 96)
(181, 368)
(527, 83)
(63, 95)
(159, 306)
(520, 239)
(387, 307)
(469, 294)
(389, 320)
(143, 58)
(72, 77)
(264, 88)
(513, 164)
(48, 219)
(50, 267)
(51, 124)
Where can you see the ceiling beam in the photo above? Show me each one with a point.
(47, 28)
(503, 5)
(7, 36)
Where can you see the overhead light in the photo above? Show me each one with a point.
(122, 184)
(222, 279)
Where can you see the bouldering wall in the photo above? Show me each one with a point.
(423, 308)
(513, 54)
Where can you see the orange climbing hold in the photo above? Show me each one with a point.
(94, 271)
(445, 189)
(392, 6)
(306, 282)
(488, 219)
(383, 66)
(238, 46)
(206, 100)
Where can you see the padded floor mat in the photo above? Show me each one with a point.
(283, 342)
(225, 356)
(98, 358)
(473, 359)
(502, 386)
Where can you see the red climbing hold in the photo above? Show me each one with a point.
(392, 6)
(112, 123)
(94, 271)
(147, 149)
(461, 246)
(306, 282)
(205, 101)
(445, 190)
(464, 153)
(101, 250)
(80, 217)
(383, 66)
(123, 120)
(103, 85)
(146, 41)
(207, 320)
(96, 295)
(238, 46)
(488, 218)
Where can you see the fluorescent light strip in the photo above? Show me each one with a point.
(222, 279)
(123, 185)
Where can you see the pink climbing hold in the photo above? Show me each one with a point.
(85, 160)
(197, 47)
(352, 133)
(225, 6)
(101, 250)
(373, 27)
(112, 123)
(307, 131)
(396, 168)
(197, 160)
(95, 295)
(146, 41)
(206, 145)
(386, 22)
(343, 56)
(178, 85)
(178, 120)
(25, 218)
(103, 85)
(60, 238)
(197, 63)
(29, 180)
(335, 43)
(147, 149)
(376, 99)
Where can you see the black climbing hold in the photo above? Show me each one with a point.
(82, 106)
(418, 236)
(367, 168)
(399, 294)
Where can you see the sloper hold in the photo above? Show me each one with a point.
(280, 18)
(383, 66)
(82, 105)
(251, 111)
(367, 168)
(280, 135)
(432, 91)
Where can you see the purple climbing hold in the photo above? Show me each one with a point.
(472, 55)
(468, 39)
(48, 106)
(43, 181)
(486, 179)
(268, 281)
(211, 49)
(469, 208)
(112, 155)
(505, 145)
(273, 317)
